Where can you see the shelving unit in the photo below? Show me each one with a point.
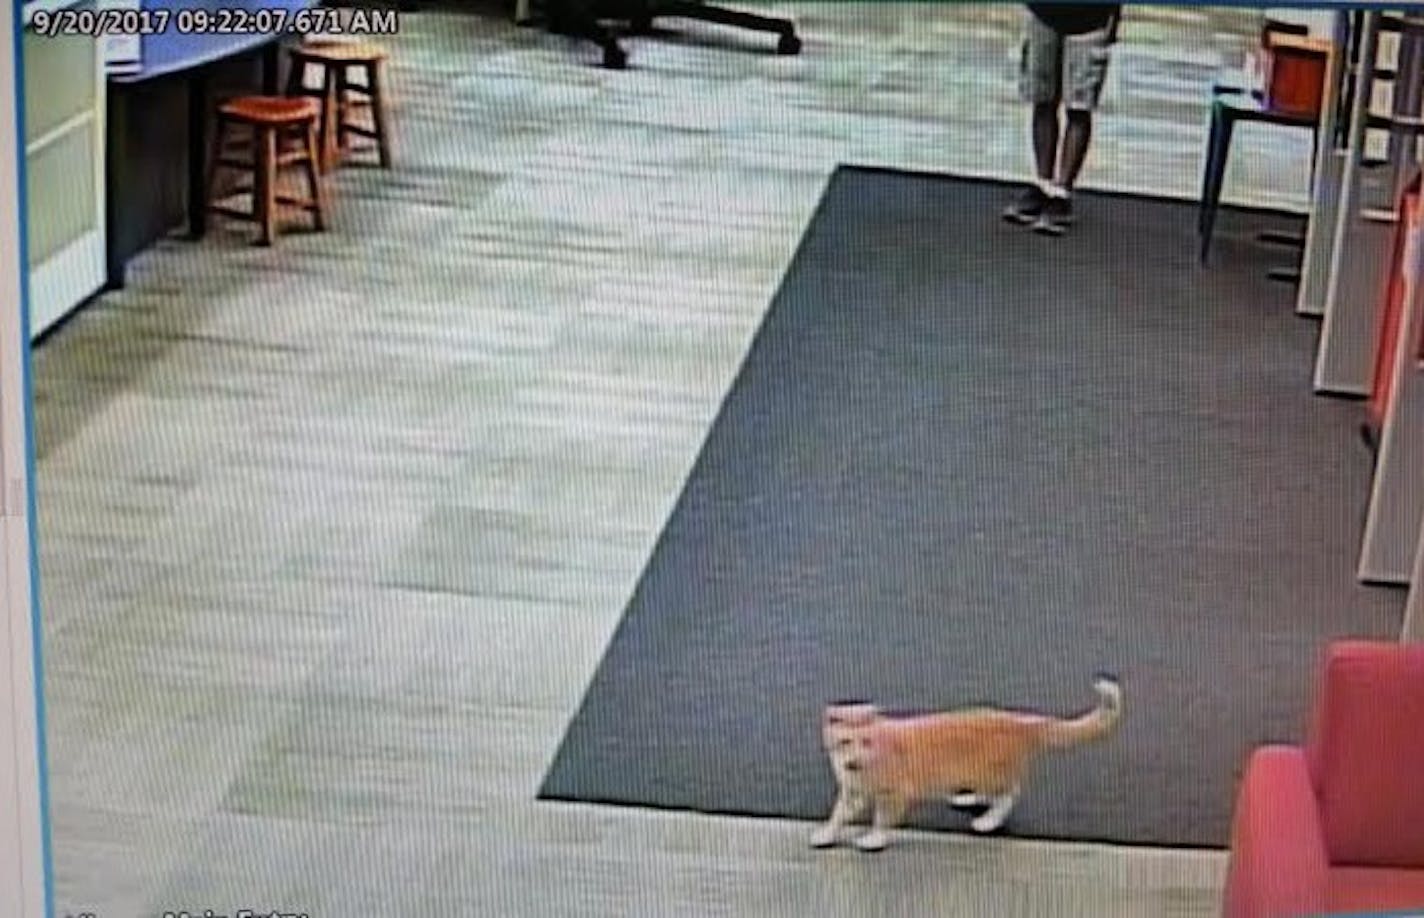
(65, 123)
(1382, 92)
(1396, 503)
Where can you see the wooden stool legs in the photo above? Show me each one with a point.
(329, 97)
(274, 146)
(340, 96)
(312, 166)
(344, 91)
(371, 95)
(378, 113)
(264, 191)
(330, 118)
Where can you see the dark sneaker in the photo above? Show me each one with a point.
(1055, 218)
(1028, 207)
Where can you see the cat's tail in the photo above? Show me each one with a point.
(1093, 725)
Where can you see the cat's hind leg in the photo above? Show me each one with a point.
(848, 806)
(997, 812)
(889, 810)
(966, 800)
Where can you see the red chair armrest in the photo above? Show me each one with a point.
(1279, 867)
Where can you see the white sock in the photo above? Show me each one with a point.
(1057, 191)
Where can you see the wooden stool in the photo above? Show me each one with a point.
(340, 96)
(283, 133)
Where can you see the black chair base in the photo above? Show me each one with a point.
(585, 19)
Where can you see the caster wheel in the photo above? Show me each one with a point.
(789, 44)
(615, 59)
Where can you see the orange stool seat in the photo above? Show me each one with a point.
(275, 110)
(341, 96)
(341, 51)
(283, 133)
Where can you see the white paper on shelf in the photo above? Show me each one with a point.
(122, 53)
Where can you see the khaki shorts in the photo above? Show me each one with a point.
(1068, 69)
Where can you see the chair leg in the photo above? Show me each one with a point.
(312, 166)
(264, 192)
(379, 121)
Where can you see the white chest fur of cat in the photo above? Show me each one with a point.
(974, 757)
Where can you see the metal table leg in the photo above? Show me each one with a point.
(1223, 123)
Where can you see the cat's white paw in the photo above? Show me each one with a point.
(966, 799)
(874, 840)
(825, 837)
(988, 822)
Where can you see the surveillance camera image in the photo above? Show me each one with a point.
(656, 458)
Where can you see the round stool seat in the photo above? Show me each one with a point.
(340, 51)
(280, 133)
(277, 110)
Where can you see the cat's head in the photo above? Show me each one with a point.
(843, 722)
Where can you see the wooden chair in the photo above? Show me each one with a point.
(283, 133)
(341, 97)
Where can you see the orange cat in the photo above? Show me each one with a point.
(972, 757)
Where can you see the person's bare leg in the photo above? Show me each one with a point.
(1086, 61)
(1076, 137)
(1045, 139)
(1044, 133)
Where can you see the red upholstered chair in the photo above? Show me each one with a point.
(1338, 826)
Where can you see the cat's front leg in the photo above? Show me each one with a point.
(888, 812)
(848, 806)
